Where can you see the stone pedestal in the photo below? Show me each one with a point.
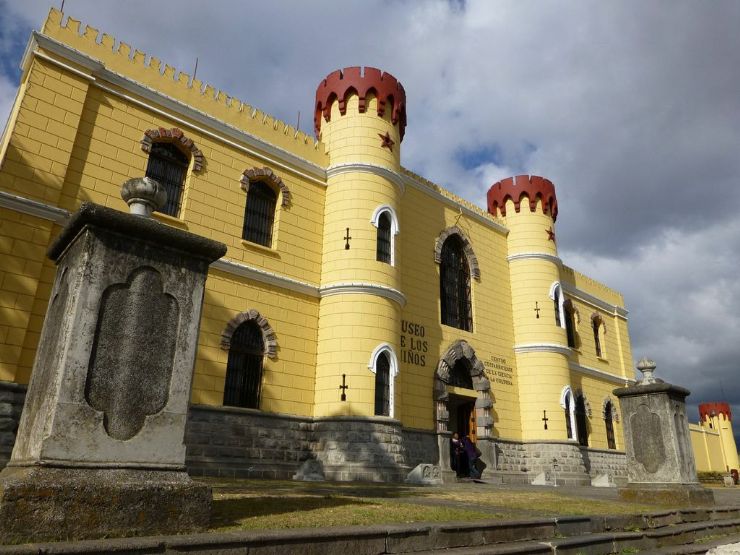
(100, 442)
(660, 461)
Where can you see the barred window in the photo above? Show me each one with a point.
(259, 213)
(460, 375)
(610, 441)
(244, 367)
(383, 385)
(454, 285)
(168, 165)
(384, 246)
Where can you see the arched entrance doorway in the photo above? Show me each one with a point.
(462, 394)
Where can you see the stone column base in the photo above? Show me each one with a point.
(678, 495)
(41, 503)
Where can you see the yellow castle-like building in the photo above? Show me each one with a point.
(362, 313)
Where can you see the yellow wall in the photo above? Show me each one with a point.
(74, 139)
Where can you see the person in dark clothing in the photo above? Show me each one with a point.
(471, 453)
(458, 456)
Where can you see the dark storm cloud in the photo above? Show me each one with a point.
(630, 108)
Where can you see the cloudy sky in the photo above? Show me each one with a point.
(631, 108)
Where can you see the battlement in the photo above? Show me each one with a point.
(514, 188)
(707, 410)
(135, 65)
(340, 84)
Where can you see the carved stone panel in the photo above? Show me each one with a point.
(650, 450)
(133, 351)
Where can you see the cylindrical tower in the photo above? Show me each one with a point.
(719, 416)
(360, 117)
(529, 207)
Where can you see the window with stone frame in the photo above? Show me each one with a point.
(168, 165)
(581, 420)
(384, 242)
(569, 311)
(383, 385)
(599, 329)
(609, 424)
(454, 285)
(259, 213)
(244, 366)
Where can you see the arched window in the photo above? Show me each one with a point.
(259, 213)
(384, 364)
(566, 401)
(609, 423)
(454, 285)
(569, 312)
(383, 250)
(556, 294)
(599, 329)
(383, 385)
(385, 220)
(168, 165)
(244, 367)
(460, 375)
(581, 422)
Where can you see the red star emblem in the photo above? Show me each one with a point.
(387, 141)
(551, 234)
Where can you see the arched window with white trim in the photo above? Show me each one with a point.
(384, 364)
(385, 220)
(568, 403)
(556, 294)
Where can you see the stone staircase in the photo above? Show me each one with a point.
(670, 532)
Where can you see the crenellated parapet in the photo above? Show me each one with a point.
(709, 410)
(135, 65)
(514, 188)
(338, 86)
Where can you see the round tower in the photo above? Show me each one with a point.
(718, 417)
(360, 118)
(529, 208)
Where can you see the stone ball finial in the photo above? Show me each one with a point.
(647, 367)
(143, 195)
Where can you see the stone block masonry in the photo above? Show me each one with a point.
(11, 405)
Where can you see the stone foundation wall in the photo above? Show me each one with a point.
(421, 447)
(571, 468)
(245, 443)
(12, 397)
(369, 449)
(601, 462)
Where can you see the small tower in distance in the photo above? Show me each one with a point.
(360, 117)
(529, 208)
(718, 417)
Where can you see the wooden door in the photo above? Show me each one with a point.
(472, 426)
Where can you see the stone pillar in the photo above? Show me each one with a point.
(100, 445)
(660, 461)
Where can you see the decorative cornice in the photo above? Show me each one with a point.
(535, 256)
(263, 276)
(363, 288)
(457, 205)
(542, 348)
(362, 167)
(267, 152)
(33, 208)
(707, 410)
(595, 372)
(587, 298)
(339, 84)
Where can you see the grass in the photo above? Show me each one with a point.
(274, 504)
